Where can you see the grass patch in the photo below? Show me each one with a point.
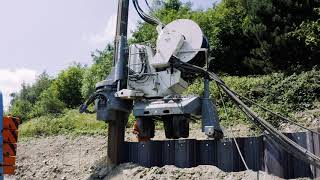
(71, 123)
(278, 92)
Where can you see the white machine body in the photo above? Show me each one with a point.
(150, 74)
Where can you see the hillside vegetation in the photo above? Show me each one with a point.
(265, 50)
(278, 92)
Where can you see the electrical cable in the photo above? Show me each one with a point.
(289, 145)
(147, 3)
(286, 143)
(147, 18)
(233, 136)
(140, 77)
(282, 117)
(152, 11)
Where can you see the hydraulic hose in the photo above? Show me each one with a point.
(147, 18)
(84, 107)
(287, 144)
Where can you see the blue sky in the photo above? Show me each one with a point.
(48, 35)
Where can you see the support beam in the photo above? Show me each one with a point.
(116, 144)
(116, 128)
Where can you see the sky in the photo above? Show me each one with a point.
(49, 35)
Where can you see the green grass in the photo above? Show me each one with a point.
(72, 123)
(278, 92)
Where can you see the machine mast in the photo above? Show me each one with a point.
(116, 128)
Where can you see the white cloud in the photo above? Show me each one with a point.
(11, 80)
(108, 34)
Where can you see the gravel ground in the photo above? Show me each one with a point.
(84, 157)
(125, 171)
(59, 157)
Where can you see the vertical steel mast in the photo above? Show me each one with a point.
(116, 128)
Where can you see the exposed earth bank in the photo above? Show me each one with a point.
(83, 157)
(65, 157)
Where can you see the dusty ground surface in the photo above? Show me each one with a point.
(195, 132)
(310, 118)
(125, 171)
(59, 157)
(83, 157)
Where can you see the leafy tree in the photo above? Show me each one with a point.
(268, 24)
(68, 86)
(250, 36)
(101, 67)
(23, 102)
(172, 5)
(309, 32)
(48, 103)
(43, 82)
(229, 45)
(21, 108)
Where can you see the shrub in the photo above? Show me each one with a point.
(278, 92)
(70, 123)
(48, 104)
(68, 86)
(21, 108)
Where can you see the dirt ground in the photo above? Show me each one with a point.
(83, 157)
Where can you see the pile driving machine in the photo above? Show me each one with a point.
(149, 81)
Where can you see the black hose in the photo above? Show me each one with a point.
(287, 144)
(282, 117)
(147, 18)
(84, 107)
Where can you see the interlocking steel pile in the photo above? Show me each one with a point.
(260, 153)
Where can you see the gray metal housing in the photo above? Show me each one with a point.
(170, 106)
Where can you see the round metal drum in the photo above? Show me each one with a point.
(193, 37)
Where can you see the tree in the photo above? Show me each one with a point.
(101, 67)
(68, 86)
(250, 36)
(269, 24)
(43, 82)
(309, 33)
(229, 45)
(172, 4)
(21, 108)
(22, 103)
(48, 103)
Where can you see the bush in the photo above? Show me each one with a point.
(22, 103)
(21, 108)
(278, 92)
(68, 86)
(48, 104)
(71, 123)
